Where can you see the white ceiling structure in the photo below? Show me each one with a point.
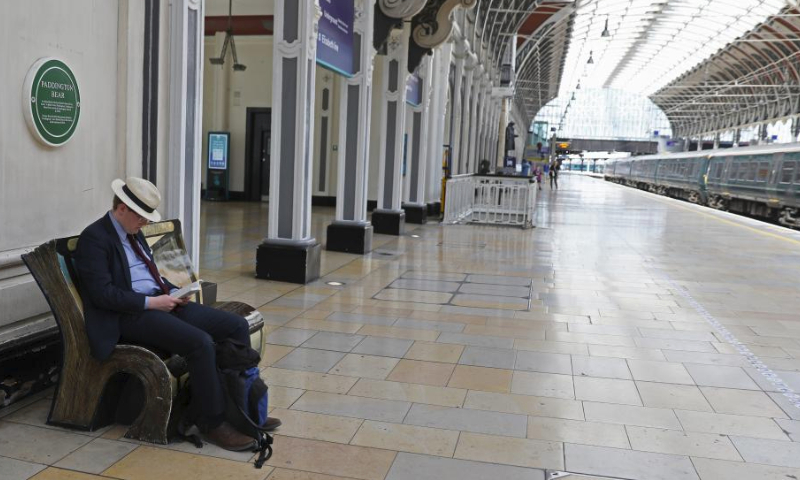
(650, 43)
(676, 52)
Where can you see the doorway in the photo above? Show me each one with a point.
(257, 153)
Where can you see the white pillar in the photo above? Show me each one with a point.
(439, 84)
(481, 124)
(460, 54)
(389, 218)
(290, 253)
(416, 208)
(351, 231)
(182, 193)
(467, 115)
(475, 121)
(501, 132)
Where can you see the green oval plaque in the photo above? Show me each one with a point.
(52, 101)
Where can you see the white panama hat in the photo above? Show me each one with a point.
(140, 196)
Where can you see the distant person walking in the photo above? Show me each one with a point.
(538, 174)
(554, 174)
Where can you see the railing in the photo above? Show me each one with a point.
(490, 199)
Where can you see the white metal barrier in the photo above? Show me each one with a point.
(490, 199)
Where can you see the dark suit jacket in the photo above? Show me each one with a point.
(105, 285)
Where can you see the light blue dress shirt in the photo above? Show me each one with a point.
(141, 280)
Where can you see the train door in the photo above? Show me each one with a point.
(788, 178)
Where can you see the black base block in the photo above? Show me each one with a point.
(349, 238)
(389, 222)
(416, 213)
(288, 263)
(434, 209)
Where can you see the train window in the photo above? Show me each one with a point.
(787, 172)
(751, 171)
(742, 171)
(763, 172)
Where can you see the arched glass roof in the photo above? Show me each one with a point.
(604, 114)
(642, 45)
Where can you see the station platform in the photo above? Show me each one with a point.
(627, 336)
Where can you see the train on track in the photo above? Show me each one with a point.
(761, 181)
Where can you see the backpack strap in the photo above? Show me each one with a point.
(264, 449)
(264, 441)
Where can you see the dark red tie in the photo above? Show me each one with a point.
(150, 265)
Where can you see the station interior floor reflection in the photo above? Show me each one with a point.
(627, 336)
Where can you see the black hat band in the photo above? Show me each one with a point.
(136, 200)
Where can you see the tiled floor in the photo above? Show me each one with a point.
(473, 352)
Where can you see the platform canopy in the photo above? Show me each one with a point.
(648, 47)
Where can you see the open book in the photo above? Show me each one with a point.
(187, 291)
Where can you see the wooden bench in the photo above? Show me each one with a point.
(83, 390)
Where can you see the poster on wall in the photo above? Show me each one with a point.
(218, 150)
(335, 37)
(414, 90)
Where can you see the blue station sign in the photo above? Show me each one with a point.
(335, 37)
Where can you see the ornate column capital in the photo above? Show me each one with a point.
(432, 26)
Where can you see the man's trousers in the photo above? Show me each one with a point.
(190, 332)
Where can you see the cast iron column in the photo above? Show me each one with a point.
(290, 253)
(389, 217)
(415, 208)
(351, 231)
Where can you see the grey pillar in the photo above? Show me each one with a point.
(389, 218)
(415, 208)
(290, 253)
(351, 231)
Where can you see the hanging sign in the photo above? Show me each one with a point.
(335, 37)
(51, 101)
(414, 90)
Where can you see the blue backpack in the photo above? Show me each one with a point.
(246, 402)
(246, 394)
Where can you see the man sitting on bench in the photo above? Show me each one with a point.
(125, 298)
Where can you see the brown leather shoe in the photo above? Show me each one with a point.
(272, 423)
(227, 437)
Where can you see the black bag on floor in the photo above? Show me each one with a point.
(246, 394)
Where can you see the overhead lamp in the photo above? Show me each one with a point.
(591, 60)
(605, 30)
(238, 67)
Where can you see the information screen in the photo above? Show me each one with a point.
(218, 148)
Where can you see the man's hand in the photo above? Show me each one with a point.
(165, 303)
